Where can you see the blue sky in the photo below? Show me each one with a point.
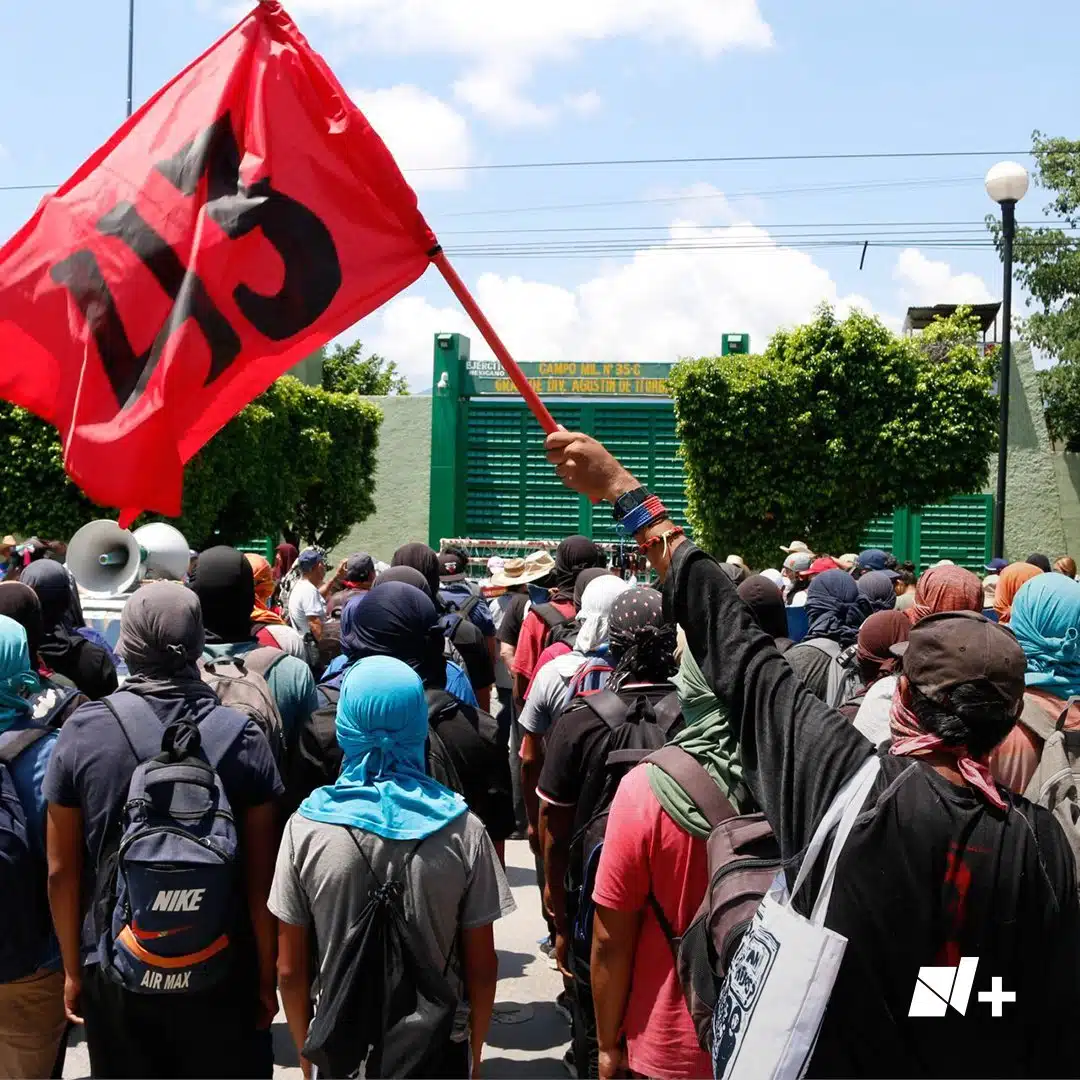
(692, 250)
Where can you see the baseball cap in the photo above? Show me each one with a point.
(872, 559)
(826, 562)
(995, 566)
(848, 561)
(798, 562)
(451, 567)
(310, 558)
(359, 567)
(736, 560)
(950, 648)
(794, 546)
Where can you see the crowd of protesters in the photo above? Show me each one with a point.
(291, 782)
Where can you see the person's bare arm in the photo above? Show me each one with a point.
(506, 654)
(294, 979)
(532, 762)
(64, 849)
(483, 698)
(328, 586)
(481, 971)
(556, 829)
(615, 935)
(315, 626)
(260, 849)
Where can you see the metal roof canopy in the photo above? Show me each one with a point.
(919, 318)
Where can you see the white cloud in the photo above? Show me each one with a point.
(588, 103)
(421, 132)
(503, 44)
(673, 300)
(929, 281)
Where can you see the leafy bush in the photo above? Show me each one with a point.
(838, 422)
(298, 461)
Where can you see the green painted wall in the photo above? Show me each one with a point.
(401, 480)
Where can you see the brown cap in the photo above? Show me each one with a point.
(955, 647)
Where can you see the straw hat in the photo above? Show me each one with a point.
(521, 571)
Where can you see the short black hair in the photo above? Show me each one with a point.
(974, 715)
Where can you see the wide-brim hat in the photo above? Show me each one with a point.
(521, 571)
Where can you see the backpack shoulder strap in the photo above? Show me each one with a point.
(218, 730)
(13, 743)
(549, 615)
(608, 706)
(466, 609)
(825, 645)
(668, 711)
(1034, 718)
(144, 735)
(262, 659)
(695, 781)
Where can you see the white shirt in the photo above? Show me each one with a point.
(872, 719)
(305, 602)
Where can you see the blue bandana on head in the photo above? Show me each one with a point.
(382, 728)
(1046, 621)
(15, 675)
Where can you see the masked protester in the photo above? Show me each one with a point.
(128, 1032)
(931, 804)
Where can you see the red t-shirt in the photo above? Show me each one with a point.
(644, 849)
(556, 648)
(534, 632)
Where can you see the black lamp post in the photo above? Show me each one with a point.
(1006, 184)
(131, 53)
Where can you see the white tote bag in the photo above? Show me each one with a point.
(771, 1005)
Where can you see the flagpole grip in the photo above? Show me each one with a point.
(516, 375)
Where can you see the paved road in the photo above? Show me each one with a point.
(528, 1037)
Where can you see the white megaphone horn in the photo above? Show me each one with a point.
(107, 560)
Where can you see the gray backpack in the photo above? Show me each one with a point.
(744, 857)
(844, 680)
(240, 683)
(1055, 783)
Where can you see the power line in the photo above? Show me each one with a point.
(28, 187)
(729, 159)
(863, 185)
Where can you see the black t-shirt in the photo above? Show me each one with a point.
(85, 663)
(930, 873)
(481, 765)
(513, 617)
(92, 763)
(575, 760)
(473, 646)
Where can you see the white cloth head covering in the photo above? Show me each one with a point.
(596, 603)
(774, 576)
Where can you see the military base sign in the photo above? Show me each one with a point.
(486, 377)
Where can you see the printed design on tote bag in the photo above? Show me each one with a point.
(749, 969)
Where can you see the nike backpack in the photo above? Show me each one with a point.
(167, 898)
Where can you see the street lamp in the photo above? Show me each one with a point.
(1006, 183)
(131, 53)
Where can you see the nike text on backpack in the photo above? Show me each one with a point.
(24, 906)
(381, 1004)
(636, 728)
(779, 981)
(843, 679)
(240, 683)
(1055, 783)
(743, 859)
(166, 896)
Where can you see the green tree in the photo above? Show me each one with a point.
(297, 461)
(1060, 389)
(345, 371)
(835, 424)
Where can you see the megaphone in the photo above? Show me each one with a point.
(107, 560)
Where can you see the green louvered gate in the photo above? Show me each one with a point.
(512, 493)
(959, 530)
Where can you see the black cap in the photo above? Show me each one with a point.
(359, 567)
(452, 566)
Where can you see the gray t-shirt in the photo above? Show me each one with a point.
(455, 882)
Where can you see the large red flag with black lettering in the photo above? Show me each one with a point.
(245, 215)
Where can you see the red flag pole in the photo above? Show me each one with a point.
(517, 376)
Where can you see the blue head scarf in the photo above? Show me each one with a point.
(877, 591)
(835, 607)
(16, 677)
(1046, 621)
(382, 727)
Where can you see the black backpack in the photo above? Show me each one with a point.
(465, 755)
(637, 727)
(316, 758)
(560, 627)
(382, 1007)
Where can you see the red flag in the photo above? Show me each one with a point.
(245, 215)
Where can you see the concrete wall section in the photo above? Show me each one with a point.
(401, 480)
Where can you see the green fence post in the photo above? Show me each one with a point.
(448, 412)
